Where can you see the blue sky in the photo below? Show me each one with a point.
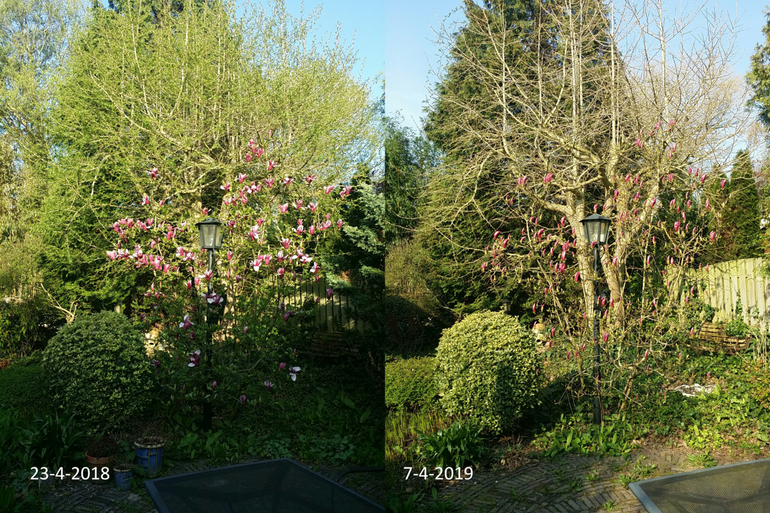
(359, 19)
(410, 54)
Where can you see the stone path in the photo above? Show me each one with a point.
(86, 497)
(571, 484)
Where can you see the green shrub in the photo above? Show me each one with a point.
(488, 370)
(97, 366)
(410, 383)
(22, 386)
(451, 447)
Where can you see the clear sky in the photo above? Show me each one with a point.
(361, 22)
(411, 52)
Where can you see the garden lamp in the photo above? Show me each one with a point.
(597, 228)
(210, 230)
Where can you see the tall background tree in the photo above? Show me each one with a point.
(184, 96)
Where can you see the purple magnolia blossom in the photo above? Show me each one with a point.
(243, 400)
(329, 293)
(293, 373)
(281, 366)
(186, 323)
(268, 385)
(195, 358)
(156, 363)
(213, 385)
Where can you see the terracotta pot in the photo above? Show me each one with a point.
(96, 465)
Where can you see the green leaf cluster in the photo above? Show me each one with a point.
(488, 370)
(410, 383)
(97, 366)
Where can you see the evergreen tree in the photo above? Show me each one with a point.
(743, 214)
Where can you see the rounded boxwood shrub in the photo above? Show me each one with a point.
(488, 370)
(97, 366)
(410, 383)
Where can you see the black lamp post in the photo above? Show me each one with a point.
(210, 231)
(596, 229)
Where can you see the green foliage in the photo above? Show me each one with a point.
(457, 446)
(337, 450)
(98, 367)
(408, 160)
(742, 212)
(23, 386)
(53, 440)
(573, 435)
(410, 383)
(702, 460)
(488, 369)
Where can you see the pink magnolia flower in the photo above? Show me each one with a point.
(208, 275)
(243, 399)
(346, 191)
(722, 183)
(268, 385)
(213, 385)
(329, 188)
(281, 366)
(329, 293)
(229, 255)
(270, 165)
(153, 172)
(146, 200)
(281, 271)
(577, 276)
(548, 178)
(195, 358)
(293, 373)
(712, 235)
(606, 336)
(156, 363)
(259, 152)
(285, 243)
(646, 353)
(225, 187)
(708, 375)
(186, 322)
(241, 177)
(112, 254)
(283, 208)
(269, 182)
(248, 157)
(339, 223)
(287, 181)
(309, 179)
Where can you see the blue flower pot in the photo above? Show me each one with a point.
(149, 454)
(123, 479)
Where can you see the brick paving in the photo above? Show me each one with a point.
(564, 485)
(86, 497)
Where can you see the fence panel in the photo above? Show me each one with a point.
(721, 285)
(327, 310)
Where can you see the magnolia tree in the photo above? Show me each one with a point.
(272, 221)
(595, 121)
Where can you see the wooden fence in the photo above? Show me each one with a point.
(723, 282)
(328, 311)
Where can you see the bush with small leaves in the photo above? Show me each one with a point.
(97, 366)
(488, 370)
